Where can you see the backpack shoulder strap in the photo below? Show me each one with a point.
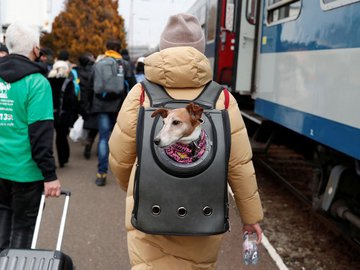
(156, 93)
(62, 93)
(227, 98)
(76, 81)
(119, 61)
(210, 94)
(208, 97)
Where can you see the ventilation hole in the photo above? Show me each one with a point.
(182, 211)
(207, 210)
(156, 209)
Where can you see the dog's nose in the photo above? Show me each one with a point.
(157, 141)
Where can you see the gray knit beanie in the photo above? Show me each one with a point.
(183, 30)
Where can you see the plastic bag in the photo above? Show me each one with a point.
(77, 132)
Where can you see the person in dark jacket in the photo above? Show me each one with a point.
(47, 58)
(107, 108)
(84, 69)
(26, 135)
(126, 56)
(66, 108)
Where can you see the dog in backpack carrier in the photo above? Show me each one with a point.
(181, 179)
(182, 136)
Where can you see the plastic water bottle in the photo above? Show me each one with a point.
(250, 250)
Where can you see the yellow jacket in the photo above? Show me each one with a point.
(184, 72)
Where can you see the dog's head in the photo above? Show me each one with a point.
(180, 125)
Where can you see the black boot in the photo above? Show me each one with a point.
(87, 150)
(89, 142)
(100, 179)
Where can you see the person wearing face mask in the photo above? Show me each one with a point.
(26, 134)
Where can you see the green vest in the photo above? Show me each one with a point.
(22, 103)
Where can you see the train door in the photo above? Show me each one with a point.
(225, 46)
(245, 46)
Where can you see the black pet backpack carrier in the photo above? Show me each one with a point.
(172, 198)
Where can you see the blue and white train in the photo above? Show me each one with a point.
(297, 62)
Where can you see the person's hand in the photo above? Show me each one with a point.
(52, 188)
(254, 228)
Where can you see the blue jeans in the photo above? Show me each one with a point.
(106, 122)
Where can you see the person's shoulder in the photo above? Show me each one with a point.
(104, 60)
(56, 80)
(38, 78)
(56, 83)
(38, 83)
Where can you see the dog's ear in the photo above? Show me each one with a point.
(163, 113)
(195, 111)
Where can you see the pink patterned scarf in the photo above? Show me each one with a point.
(188, 153)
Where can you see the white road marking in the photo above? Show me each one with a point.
(270, 249)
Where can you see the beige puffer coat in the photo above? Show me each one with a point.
(184, 72)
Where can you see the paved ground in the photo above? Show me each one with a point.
(95, 237)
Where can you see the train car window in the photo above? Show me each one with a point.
(211, 21)
(279, 11)
(330, 4)
(251, 11)
(229, 16)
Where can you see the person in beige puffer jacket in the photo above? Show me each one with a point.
(183, 70)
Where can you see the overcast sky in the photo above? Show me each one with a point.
(149, 18)
(143, 27)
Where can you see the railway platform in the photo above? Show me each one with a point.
(95, 235)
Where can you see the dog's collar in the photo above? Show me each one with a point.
(188, 153)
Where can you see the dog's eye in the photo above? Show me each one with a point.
(176, 122)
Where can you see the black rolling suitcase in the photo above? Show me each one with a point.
(39, 259)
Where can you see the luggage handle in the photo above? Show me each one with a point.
(62, 223)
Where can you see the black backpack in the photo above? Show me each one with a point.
(65, 101)
(172, 198)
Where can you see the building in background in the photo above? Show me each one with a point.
(39, 13)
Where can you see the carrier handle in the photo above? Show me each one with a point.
(67, 195)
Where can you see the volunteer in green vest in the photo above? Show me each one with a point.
(26, 137)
